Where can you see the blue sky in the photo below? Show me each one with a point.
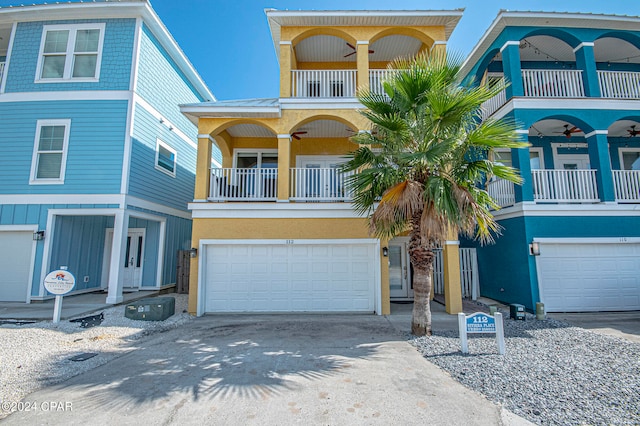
(229, 43)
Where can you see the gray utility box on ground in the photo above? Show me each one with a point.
(151, 309)
(517, 311)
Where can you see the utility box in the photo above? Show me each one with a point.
(517, 311)
(151, 309)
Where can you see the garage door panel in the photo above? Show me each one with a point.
(589, 277)
(290, 278)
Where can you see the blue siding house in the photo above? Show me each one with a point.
(98, 163)
(571, 232)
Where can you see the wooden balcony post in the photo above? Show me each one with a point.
(362, 58)
(586, 61)
(203, 168)
(284, 164)
(452, 280)
(512, 68)
(598, 147)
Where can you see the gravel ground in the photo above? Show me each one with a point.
(37, 355)
(552, 373)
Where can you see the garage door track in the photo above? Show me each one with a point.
(267, 369)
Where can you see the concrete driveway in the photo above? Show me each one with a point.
(625, 325)
(267, 369)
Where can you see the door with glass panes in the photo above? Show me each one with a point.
(400, 281)
(322, 179)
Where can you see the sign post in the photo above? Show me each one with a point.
(59, 282)
(481, 323)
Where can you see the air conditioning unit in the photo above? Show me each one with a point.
(151, 309)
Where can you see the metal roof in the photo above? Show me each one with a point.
(241, 108)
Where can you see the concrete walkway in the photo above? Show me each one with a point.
(72, 306)
(270, 369)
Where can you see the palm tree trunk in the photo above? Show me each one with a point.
(422, 261)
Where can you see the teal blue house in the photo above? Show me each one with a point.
(571, 232)
(98, 163)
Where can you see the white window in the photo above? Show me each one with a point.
(70, 52)
(630, 158)
(166, 158)
(536, 161)
(50, 152)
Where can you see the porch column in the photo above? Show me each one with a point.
(285, 68)
(284, 165)
(586, 61)
(203, 168)
(520, 158)
(362, 58)
(598, 146)
(116, 263)
(452, 281)
(512, 68)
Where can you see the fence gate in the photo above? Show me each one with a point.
(468, 273)
(182, 271)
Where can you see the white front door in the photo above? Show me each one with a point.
(323, 180)
(134, 257)
(400, 286)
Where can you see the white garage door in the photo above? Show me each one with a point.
(589, 277)
(16, 251)
(290, 277)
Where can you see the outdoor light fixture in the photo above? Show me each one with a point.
(385, 251)
(193, 252)
(38, 236)
(534, 248)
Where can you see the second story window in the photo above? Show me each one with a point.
(50, 152)
(165, 158)
(70, 53)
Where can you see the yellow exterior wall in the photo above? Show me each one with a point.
(281, 229)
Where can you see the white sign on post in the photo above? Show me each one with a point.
(59, 282)
(480, 323)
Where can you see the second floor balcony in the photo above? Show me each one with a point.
(333, 83)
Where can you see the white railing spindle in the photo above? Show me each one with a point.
(553, 83)
(228, 184)
(323, 83)
(492, 105)
(502, 191)
(619, 84)
(1, 70)
(627, 185)
(319, 184)
(578, 186)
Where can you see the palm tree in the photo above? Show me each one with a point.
(422, 165)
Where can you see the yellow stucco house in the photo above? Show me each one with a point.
(273, 227)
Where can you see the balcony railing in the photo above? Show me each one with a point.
(619, 84)
(323, 83)
(492, 105)
(626, 184)
(243, 184)
(1, 71)
(553, 83)
(502, 191)
(376, 77)
(569, 186)
(326, 184)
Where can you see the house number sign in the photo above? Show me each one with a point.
(480, 323)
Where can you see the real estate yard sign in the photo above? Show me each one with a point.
(59, 282)
(480, 323)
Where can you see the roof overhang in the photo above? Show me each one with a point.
(110, 10)
(339, 18)
(545, 19)
(252, 108)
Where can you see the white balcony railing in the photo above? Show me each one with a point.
(243, 184)
(619, 84)
(502, 191)
(376, 77)
(626, 184)
(569, 186)
(323, 83)
(326, 184)
(492, 105)
(553, 83)
(1, 71)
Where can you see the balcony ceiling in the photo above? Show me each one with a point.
(554, 128)
(314, 129)
(551, 49)
(333, 49)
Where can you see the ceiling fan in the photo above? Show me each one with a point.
(296, 135)
(568, 131)
(633, 132)
(354, 50)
